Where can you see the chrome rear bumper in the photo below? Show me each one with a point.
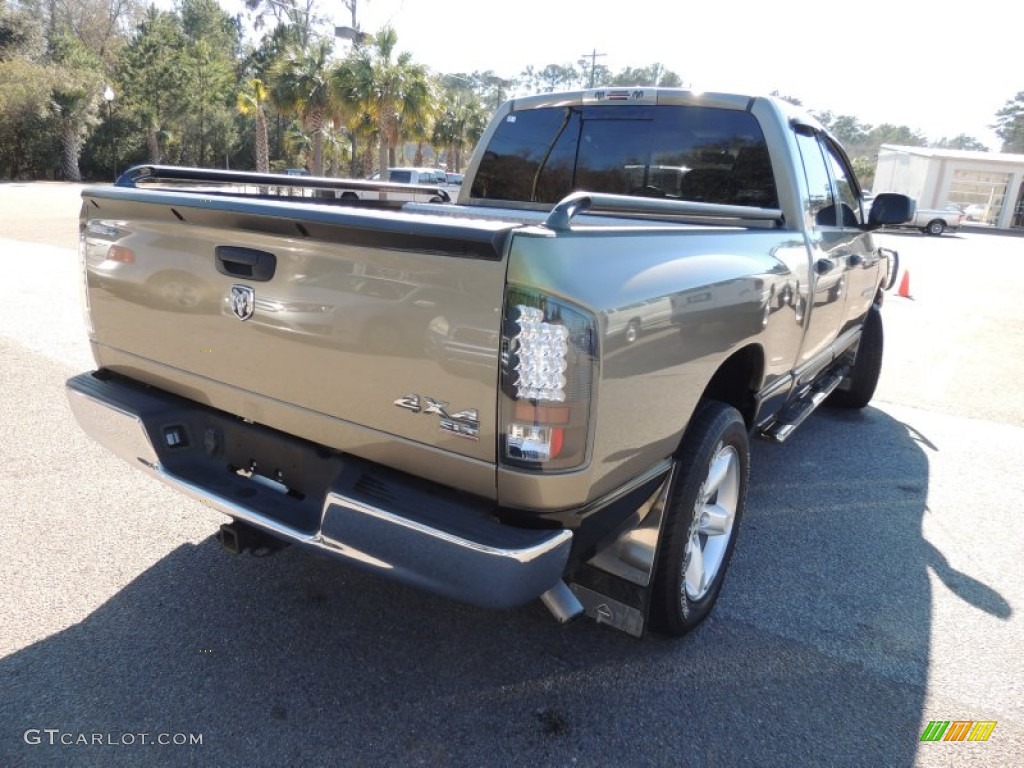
(371, 516)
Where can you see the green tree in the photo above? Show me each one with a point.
(298, 16)
(1009, 125)
(101, 26)
(850, 131)
(887, 133)
(592, 73)
(151, 73)
(21, 35)
(74, 98)
(655, 75)
(961, 141)
(393, 90)
(555, 77)
(210, 83)
(24, 109)
(459, 124)
(252, 100)
(300, 85)
(864, 168)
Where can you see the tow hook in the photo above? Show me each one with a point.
(238, 537)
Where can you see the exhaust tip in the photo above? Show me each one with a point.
(562, 603)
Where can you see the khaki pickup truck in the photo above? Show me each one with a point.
(543, 390)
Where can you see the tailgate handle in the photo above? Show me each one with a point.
(236, 261)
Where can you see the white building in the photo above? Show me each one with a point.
(990, 184)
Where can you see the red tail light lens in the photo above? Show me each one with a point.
(548, 355)
(122, 254)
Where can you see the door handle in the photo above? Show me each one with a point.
(823, 266)
(252, 264)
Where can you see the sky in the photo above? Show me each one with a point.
(939, 68)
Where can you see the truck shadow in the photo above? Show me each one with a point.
(818, 651)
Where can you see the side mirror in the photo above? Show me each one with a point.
(890, 208)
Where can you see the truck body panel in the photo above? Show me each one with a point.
(484, 398)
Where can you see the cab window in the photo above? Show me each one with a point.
(701, 154)
(819, 185)
(849, 202)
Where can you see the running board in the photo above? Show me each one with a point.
(794, 414)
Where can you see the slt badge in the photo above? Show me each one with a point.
(463, 424)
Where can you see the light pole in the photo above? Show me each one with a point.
(108, 96)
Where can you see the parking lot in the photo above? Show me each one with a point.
(877, 582)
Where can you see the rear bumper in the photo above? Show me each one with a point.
(403, 528)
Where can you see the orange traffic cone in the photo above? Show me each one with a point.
(904, 291)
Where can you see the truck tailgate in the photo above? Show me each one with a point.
(270, 310)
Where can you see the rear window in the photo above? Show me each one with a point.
(400, 177)
(703, 154)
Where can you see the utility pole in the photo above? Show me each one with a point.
(351, 5)
(593, 63)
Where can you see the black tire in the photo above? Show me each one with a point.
(716, 437)
(860, 384)
(935, 227)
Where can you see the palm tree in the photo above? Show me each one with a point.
(74, 99)
(74, 109)
(300, 85)
(459, 124)
(251, 101)
(394, 92)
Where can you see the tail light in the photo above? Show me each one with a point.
(548, 369)
(122, 254)
(83, 262)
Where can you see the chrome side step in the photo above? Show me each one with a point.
(794, 414)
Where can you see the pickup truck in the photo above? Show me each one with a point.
(423, 185)
(449, 395)
(935, 221)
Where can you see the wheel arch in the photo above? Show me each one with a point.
(737, 380)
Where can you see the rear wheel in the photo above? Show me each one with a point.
(705, 505)
(935, 227)
(860, 384)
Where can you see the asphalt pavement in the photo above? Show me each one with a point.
(876, 584)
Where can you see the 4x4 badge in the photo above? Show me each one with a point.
(243, 301)
(464, 423)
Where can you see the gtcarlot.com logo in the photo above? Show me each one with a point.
(57, 737)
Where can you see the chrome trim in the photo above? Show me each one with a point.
(406, 550)
(525, 555)
(561, 216)
(243, 301)
(115, 429)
